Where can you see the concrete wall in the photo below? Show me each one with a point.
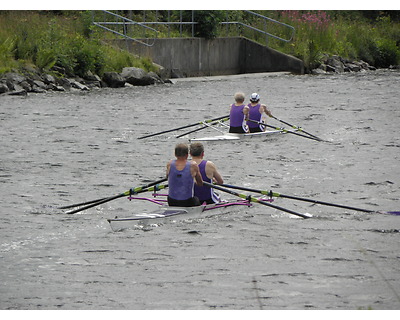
(191, 57)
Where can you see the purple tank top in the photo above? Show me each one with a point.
(180, 182)
(254, 114)
(236, 115)
(204, 192)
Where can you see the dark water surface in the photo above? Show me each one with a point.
(64, 148)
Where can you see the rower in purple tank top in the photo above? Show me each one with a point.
(238, 114)
(257, 112)
(209, 174)
(182, 176)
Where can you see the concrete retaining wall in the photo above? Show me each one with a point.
(191, 57)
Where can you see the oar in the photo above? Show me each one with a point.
(296, 127)
(252, 199)
(81, 204)
(145, 188)
(284, 130)
(183, 127)
(276, 194)
(205, 126)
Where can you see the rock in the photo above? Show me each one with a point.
(54, 87)
(48, 79)
(21, 92)
(156, 78)
(77, 85)
(137, 76)
(318, 71)
(64, 82)
(91, 77)
(3, 88)
(114, 79)
(25, 85)
(335, 63)
(15, 77)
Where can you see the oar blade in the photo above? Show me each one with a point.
(394, 213)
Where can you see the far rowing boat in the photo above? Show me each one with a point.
(240, 136)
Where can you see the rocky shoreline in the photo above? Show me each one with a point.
(32, 80)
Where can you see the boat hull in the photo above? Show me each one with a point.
(239, 136)
(173, 214)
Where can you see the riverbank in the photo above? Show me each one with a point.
(31, 80)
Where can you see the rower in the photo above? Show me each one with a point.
(238, 112)
(182, 175)
(209, 173)
(258, 113)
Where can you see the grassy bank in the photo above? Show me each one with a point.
(64, 41)
(352, 35)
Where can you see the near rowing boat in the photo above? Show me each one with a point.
(172, 214)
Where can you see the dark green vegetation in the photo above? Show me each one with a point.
(66, 42)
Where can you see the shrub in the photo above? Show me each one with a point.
(387, 53)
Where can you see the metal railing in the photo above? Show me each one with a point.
(124, 23)
(122, 26)
(265, 19)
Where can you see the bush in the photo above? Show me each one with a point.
(387, 53)
(207, 23)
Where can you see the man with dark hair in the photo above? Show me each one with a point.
(182, 175)
(209, 173)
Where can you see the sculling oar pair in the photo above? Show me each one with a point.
(184, 127)
(206, 124)
(153, 186)
(296, 127)
(276, 194)
(285, 130)
(252, 199)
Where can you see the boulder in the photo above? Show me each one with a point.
(48, 79)
(64, 82)
(137, 76)
(335, 63)
(77, 85)
(3, 88)
(156, 78)
(113, 79)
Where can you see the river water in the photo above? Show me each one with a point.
(64, 148)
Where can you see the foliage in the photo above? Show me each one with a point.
(207, 23)
(348, 34)
(68, 40)
(63, 39)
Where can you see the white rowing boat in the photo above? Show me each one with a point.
(223, 135)
(240, 136)
(172, 214)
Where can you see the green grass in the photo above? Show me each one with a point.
(67, 39)
(349, 35)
